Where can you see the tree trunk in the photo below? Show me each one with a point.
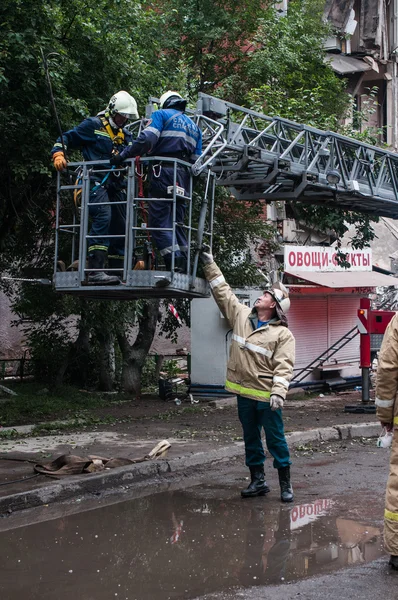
(134, 355)
(106, 361)
(158, 367)
(78, 354)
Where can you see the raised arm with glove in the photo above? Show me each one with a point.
(205, 255)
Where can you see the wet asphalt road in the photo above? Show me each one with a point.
(194, 537)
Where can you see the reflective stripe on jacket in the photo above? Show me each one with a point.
(261, 360)
(170, 132)
(92, 138)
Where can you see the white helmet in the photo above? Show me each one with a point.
(168, 96)
(123, 104)
(280, 293)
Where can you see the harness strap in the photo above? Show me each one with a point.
(170, 119)
(101, 183)
(117, 138)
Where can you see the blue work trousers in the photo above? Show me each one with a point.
(254, 416)
(107, 219)
(160, 214)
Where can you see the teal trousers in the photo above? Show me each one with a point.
(254, 416)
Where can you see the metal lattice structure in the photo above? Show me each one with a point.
(260, 157)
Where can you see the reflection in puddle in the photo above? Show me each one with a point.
(307, 541)
(180, 545)
(303, 514)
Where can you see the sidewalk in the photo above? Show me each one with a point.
(198, 436)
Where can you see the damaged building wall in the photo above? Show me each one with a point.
(362, 50)
(337, 12)
(373, 27)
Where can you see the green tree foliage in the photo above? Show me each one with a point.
(287, 76)
(95, 48)
(210, 39)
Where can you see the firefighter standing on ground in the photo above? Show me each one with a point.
(98, 137)
(387, 412)
(259, 370)
(173, 134)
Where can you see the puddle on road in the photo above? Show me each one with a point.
(181, 545)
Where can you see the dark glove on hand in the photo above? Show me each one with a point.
(205, 255)
(116, 160)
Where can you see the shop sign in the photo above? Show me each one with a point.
(317, 258)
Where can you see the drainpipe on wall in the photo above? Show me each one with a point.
(394, 104)
(394, 86)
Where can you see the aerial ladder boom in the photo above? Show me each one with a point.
(270, 158)
(254, 156)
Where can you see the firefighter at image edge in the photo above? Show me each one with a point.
(98, 137)
(259, 370)
(169, 133)
(387, 413)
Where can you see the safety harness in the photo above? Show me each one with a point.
(117, 139)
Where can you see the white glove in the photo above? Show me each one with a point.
(205, 255)
(275, 402)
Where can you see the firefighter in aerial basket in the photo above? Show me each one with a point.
(259, 370)
(98, 138)
(169, 133)
(387, 412)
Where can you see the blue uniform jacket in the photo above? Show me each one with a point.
(92, 138)
(169, 133)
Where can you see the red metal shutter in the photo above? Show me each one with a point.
(342, 317)
(308, 321)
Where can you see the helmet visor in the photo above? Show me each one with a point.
(126, 115)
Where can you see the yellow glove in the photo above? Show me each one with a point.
(59, 161)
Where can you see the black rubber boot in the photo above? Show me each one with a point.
(393, 562)
(284, 482)
(258, 486)
(96, 260)
(180, 264)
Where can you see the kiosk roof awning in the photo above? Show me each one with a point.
(350, 279)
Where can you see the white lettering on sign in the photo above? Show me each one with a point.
(315, 258)
(303, 514)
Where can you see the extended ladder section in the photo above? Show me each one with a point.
(260, 157)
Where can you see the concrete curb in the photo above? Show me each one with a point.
(124, 477)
